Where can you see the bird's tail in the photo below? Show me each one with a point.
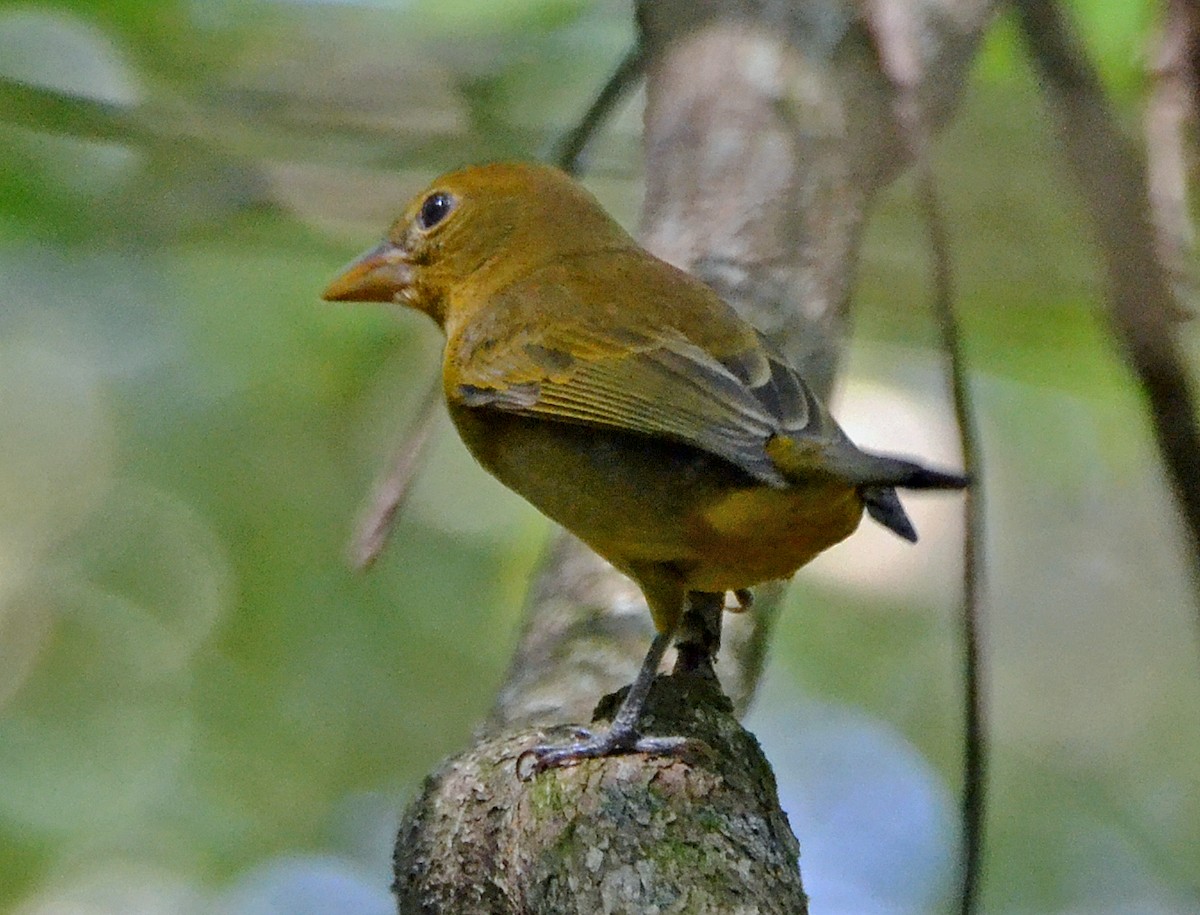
(878, 476)
(870, 469)
(885, 507)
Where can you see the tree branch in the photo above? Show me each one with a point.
(702, 835)
(1142, 309)
(768, 128)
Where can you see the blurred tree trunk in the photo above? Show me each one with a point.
(768, 128)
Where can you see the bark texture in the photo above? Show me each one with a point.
(768, 128)
(701, 834)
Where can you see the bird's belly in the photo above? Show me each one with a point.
(645, 501)
(757, 534)
(621, 493)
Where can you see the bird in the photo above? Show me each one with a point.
(628, 402)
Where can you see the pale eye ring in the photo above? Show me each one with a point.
(437, 206)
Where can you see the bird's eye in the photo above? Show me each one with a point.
(437, 206)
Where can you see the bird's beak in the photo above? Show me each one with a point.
(381, 275)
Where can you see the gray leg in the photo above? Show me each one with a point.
(622, 735)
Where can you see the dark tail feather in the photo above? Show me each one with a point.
(881, 474)
(918, 477)
(875, 476)
(884, 506)
(868, 469)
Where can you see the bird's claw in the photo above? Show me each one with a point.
(593, 746)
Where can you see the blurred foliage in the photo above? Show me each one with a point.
(202, 709)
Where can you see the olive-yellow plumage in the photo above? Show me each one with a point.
(620, 395)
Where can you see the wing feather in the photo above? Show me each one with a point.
(648, 380)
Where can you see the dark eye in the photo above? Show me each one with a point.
(435, 208)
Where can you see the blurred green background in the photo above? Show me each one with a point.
(203, 710)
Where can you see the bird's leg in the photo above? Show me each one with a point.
(622, 735)
(699, 633)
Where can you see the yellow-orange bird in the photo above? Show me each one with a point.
(627, 401)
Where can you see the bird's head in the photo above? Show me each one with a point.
(476, 229)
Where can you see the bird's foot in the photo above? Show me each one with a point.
(612, 742)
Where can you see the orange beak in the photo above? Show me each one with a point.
(380, 275)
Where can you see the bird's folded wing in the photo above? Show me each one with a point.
(654, 382)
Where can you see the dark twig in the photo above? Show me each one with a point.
(568, 151)
(896, 44)
(391, 492)
(1141, 303)
(975, 731)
